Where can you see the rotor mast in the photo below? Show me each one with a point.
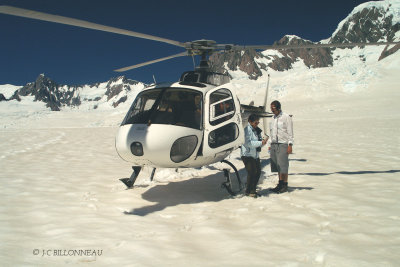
(203, 66)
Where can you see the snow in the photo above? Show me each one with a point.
(8, 90)
(61, 193)
(272, 52)
(291, 37)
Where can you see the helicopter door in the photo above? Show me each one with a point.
(223, 123)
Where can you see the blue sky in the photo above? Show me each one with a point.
(71, 55)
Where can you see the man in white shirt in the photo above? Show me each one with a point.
(281, 139)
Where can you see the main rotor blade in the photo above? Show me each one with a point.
(151, 62)
(9, 10)
(277, 47)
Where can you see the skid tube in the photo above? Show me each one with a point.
(129, 182)
(228, 183)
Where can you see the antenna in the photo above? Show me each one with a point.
(265, 123)
(154, 78)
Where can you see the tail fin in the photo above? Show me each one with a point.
(265, 121)
(261, 111)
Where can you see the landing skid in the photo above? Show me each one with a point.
(233, 186)
(230, 183)
(129, 182)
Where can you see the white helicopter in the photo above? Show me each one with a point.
(191, 123)
(194, 122)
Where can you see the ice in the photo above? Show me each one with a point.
(61, 189)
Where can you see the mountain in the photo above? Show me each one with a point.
(57, 96)
(368, 22)
(252, 62)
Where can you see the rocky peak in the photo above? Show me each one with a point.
(43, 89)
(371, 22)
(368, 23)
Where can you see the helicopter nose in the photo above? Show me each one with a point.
(167, 146)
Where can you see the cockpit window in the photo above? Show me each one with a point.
(175, 106)
(141, 108)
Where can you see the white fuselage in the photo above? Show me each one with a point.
(175, 126)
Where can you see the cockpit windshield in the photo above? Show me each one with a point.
(175, 106)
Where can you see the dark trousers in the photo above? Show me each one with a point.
(253, 168)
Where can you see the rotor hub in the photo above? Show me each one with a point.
(200, 47)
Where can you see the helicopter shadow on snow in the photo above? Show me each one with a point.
(195, 190)
(267, 192)
(345, 172)
(332, 173)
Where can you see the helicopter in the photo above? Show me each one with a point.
(194, 122)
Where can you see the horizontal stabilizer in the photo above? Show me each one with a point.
(247, 109)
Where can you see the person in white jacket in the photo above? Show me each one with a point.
(250, 154)
(281, 138)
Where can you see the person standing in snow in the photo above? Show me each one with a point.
(281, 133)
(250, 154)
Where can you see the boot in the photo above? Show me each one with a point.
(278, 187)
(284, 188)
(254, 195)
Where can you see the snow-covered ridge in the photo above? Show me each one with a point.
(105, 95)
(7, 90)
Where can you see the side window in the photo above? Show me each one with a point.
(222, 106)
(223, 135)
